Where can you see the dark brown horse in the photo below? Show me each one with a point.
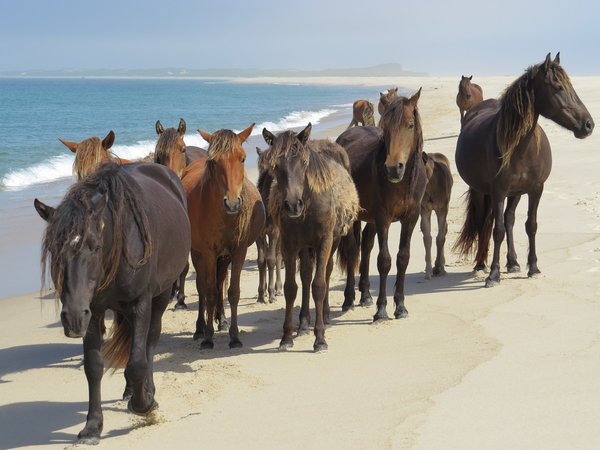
(389, 173)
(172, 152)
(469, 94)
(226, 215)
(385, 98)
(91, 153)
(362, 112)
(502, 153)
(110, 245)
(268, 243)
(313, 202)
(436, 198)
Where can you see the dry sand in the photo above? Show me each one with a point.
(515, 366)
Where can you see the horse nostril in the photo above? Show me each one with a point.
(86, 312)
(300, 205)
(400, 166)
(589, 125)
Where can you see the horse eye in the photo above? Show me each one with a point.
(411, 126)
(243, 160)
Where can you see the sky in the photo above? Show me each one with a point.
(440, 37)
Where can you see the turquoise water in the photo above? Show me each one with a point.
(34, 113)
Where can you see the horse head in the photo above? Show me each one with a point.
(226, 157)
(288, 162)
(402, 134)
(556, 99)
(463, 86)
(170, 147)
(90, 153)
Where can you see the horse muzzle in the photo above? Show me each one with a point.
(232, 207)
(293, 209)
(585, 130)
(75, 324)
(395, 173)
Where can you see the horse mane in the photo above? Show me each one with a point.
(166, 141)
(517, 114)
(90, 155)
(74, 218)
(391, 121)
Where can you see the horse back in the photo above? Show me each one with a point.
(193, 153)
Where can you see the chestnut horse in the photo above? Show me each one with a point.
(172, 152)
(118, 240)
(268, 243)
(436, 198)
(313, 202)
(385, 98)
(226, 215)
(389, 173)
(502, 153)
(469, 94)
(362, 112)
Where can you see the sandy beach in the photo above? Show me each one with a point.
(515, 366)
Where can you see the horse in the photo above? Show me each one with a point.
(436, 198)
(171, 151)
(389, 174)
(268, 243)
(502, 153)
(227, 215)
(385, 98)
(313, 202)
(362, 112)
(110, 245)
(91, 153)
(469, 94)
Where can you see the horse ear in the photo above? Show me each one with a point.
(394, 90)
(159, 127)
(108, 141)
(70, 145)
(471, 77)
(415, 98)
(268, 136)
(46, 212)
(557, 58)
(243, 135)
(206, 136)
(259, 151)
(547, 62)
(182, 127)
(305, 134)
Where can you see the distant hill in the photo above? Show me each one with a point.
(381, 70)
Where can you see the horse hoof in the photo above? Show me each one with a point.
(180, 306)
(279, 292)
(198, 335)
(223, 326)
(513, 269)
(92, 440)
(303, 331)
(235, 344)
(428, 275)
(348, 307)
(366, 301)
(320, 347)
(261, 300)
(273, 299)
(439, 271)
(207, 345)
(285, 345)
(534, 273)
(380, 317)
(489, 283)
(401, 314)
(152, 407)
(127, 395)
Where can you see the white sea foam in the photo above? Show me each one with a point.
(60, 166)
(294, 119)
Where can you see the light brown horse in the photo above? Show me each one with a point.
(313, 202)
(502, 153)
(385, 98)
(469, 94)
(362, 112)
(91, 153)
(436, 198)
(226, 216)
(170, 147)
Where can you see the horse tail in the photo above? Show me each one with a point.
(116, 350)
(477, 227)
(347, 252)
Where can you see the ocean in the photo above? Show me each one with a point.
(34, 113)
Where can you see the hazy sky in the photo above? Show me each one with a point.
(438, 37)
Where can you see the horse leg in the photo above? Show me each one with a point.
(271, 263)
(93, 365)
(201, 288)
(233, 294)
(427, 240)
(319, 287)
(350, 249)
(278, 263)
(408, 226)
(142, 401)
(512, 265)
(531, 228)
(208, 275)
(306, 274)
(484, 219)
(181, 288)
(499, 233)
(159, 305)
(326, 308)
(290, 289)
(366, 245)
(384, 263)
(261, 261)
(222, 273)
(440, 241)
